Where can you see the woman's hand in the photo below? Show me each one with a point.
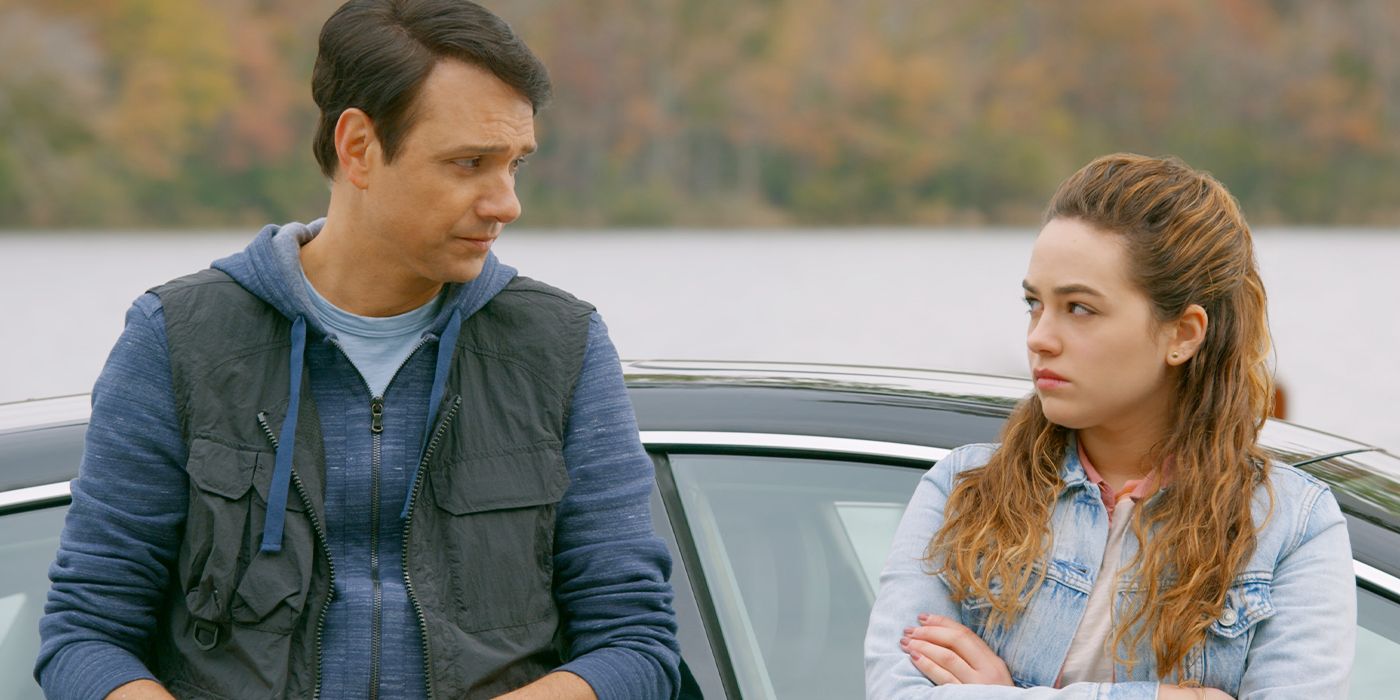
(1174, 692)
(948, 653)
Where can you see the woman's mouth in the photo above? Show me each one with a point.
(1045, 379)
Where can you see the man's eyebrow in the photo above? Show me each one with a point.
(485, 149)
(1065, 290)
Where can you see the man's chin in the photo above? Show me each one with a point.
(462, 273)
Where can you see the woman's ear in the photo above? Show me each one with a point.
(1187, 334)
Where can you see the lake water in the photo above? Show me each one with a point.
(945, 299)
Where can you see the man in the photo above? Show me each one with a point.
(362, 458)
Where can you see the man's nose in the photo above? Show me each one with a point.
(499, 202)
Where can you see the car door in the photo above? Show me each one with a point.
(36, 463)
(779, 549)
(779, 552)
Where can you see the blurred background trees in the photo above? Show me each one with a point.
(142, 113)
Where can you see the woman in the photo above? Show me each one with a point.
(1020, 564)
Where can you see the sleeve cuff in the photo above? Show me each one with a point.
(622, 674)
(91, 671)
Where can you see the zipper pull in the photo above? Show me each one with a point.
(376, 415)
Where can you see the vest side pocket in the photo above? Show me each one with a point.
(227, 579)
(212, 552)
(272, 592)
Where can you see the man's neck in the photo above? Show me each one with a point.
(347, 270)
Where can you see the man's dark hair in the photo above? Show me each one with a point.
(375, 54)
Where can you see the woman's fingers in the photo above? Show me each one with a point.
(950, 668)
(932, 670)
(947, 633)
(984, 665)
(1176, 692)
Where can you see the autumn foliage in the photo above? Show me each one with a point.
(729, 112)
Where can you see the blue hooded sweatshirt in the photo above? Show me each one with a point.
(122, 534)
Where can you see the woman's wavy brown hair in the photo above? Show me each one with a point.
(1187, 243)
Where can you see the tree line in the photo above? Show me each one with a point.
(118, 113)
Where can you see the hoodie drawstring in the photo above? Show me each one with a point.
(446, 345)
(286, 443)
(282, 464)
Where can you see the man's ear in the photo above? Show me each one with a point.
(1188, 332)
(356, 147)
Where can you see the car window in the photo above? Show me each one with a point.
(1376, 673)
(869, 528)
(791, 550)
(28, 541)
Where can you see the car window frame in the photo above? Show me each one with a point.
(660, 445)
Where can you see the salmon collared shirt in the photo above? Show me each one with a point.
(1090, 656)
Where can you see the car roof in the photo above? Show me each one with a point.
(43, 413)
(998, 394)
(935, 409)
(941, 410)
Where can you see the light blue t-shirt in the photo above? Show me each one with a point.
(376, 346)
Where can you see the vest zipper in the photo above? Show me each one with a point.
(376, 622)
(376, 429)
(408, 528)
(325, 551)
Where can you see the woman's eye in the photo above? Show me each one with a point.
(1032, 305)
(1080, 310)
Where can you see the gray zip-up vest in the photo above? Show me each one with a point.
(479, 540)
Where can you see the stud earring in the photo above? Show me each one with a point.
(1175, 355)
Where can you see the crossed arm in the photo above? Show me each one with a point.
(948, 653)
(1312, 592)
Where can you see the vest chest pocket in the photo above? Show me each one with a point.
(491, 556)
(224, 576)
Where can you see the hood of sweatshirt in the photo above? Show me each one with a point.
(270, 268)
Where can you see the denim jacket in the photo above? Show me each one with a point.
(1287, 629)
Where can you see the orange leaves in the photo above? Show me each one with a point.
(884, 111)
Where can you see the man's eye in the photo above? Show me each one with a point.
(517, 164)
(469, 163)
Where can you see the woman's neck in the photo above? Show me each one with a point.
(1119, 456)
